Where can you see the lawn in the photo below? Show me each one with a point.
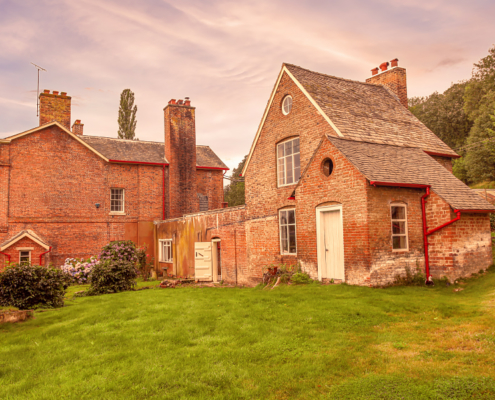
(293, 342)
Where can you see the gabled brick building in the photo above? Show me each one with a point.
(65, 194)
(342, 179)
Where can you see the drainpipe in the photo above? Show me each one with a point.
(5, 254)
(163, 197)
(41, 255)
(427, 232)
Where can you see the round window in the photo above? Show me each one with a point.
(287, 105)
(327, 167)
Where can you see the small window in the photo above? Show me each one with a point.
(24, 257)
(327, 167)
(399, 227)
(287, 105)
(117, 201)
(166, 251)
(288, 162)
(287, 221)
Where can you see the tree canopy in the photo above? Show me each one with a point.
(234, 191)
(127, 115)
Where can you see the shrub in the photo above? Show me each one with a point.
(27, 286)
(120, 250)
(79, 270)
(300, 278)
(143, 265)
(417, 278)
(112, 276)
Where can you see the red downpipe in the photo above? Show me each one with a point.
(5, 254)
(427, 232)
(163, 198)
(42, 254)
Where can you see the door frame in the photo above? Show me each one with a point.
(214, 259)
(320, 210)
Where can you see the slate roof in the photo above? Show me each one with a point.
(142, 151)
(396, 164)
(367, 112)
(487, 194)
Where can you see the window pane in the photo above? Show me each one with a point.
(399, 242)
(281, 171)
(288, 175)
(295, 146)
(292, 239)
(398, 227)
(398, 212)
(283, 217)
(281, 150)
(288, 148)
(297, 167)
(292, 216)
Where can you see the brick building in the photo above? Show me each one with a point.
(342, 179)
(65, 194)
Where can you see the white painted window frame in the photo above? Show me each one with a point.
(25, 251)
(122, 212)
(286, 98)
(406, 234)
(167, 243)
(285, 163)
(319, 211)
(280, 227)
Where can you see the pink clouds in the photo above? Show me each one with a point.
(224, 55)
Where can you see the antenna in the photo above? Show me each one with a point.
(38, 90)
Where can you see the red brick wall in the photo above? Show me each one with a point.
(55, 184)
(14, 252)
(180, 151)
(395, 80)
(4, 186)
(55, 107)
(210, 183)
(444, 161)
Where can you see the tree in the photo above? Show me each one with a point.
(127, 115)
(234, 191)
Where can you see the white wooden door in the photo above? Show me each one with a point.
(330, 243)
(202, 261)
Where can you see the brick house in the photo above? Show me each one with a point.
(342, 179)
(65, 194)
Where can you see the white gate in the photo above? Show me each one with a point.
(202, 261)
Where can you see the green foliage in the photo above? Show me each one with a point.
(492, 222)
(120, 250)
(112, 276)
(127, 115)
(234, 191)
(28, 286)
(416, 278)
(301, 278)
(144, 262)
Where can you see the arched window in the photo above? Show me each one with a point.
(398, 215)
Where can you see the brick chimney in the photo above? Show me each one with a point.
(77, 127)
(393, 78)
(55, 107)
(180, 151)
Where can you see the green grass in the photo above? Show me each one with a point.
(303, 342)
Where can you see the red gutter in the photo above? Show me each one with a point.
(475, 211)
(163, 198)
(411, 185)
(223, 169)
(41, 255)
(137, 162)
(431, 153)
(5, 254)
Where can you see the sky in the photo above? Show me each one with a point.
(224, 55)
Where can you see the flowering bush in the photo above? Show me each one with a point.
(120, 250)
(79, 270)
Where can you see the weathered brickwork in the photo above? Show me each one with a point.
(210, 183)
(395, 80)
(55, 107)
(445, 161)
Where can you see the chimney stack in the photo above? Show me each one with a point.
(394, 79)
(77, 127)
(180, 152)
(55, 107)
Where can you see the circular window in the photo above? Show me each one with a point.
(287, 105)
(327, 167)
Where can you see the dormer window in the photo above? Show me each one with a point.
(288, 162)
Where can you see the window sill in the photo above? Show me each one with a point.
(117, 213)
(288, 184)
(400, 250)
(288, 254)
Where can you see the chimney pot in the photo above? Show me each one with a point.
(384, 66)
(187, 102)
(63, 94)
(395, 62)
(374, 71)
(172, 101)
(55, 92)
(179, 102)
(77, 127)
(46, 91)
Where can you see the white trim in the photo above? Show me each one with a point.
(54, 123)
(122, 212)
(287, 97)
(26, 234)
(24, 248)
(285, 163)
(397, 204)
(28, 251)
(320, 210)
(280, 232)
(160, 250)
(258, 132)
